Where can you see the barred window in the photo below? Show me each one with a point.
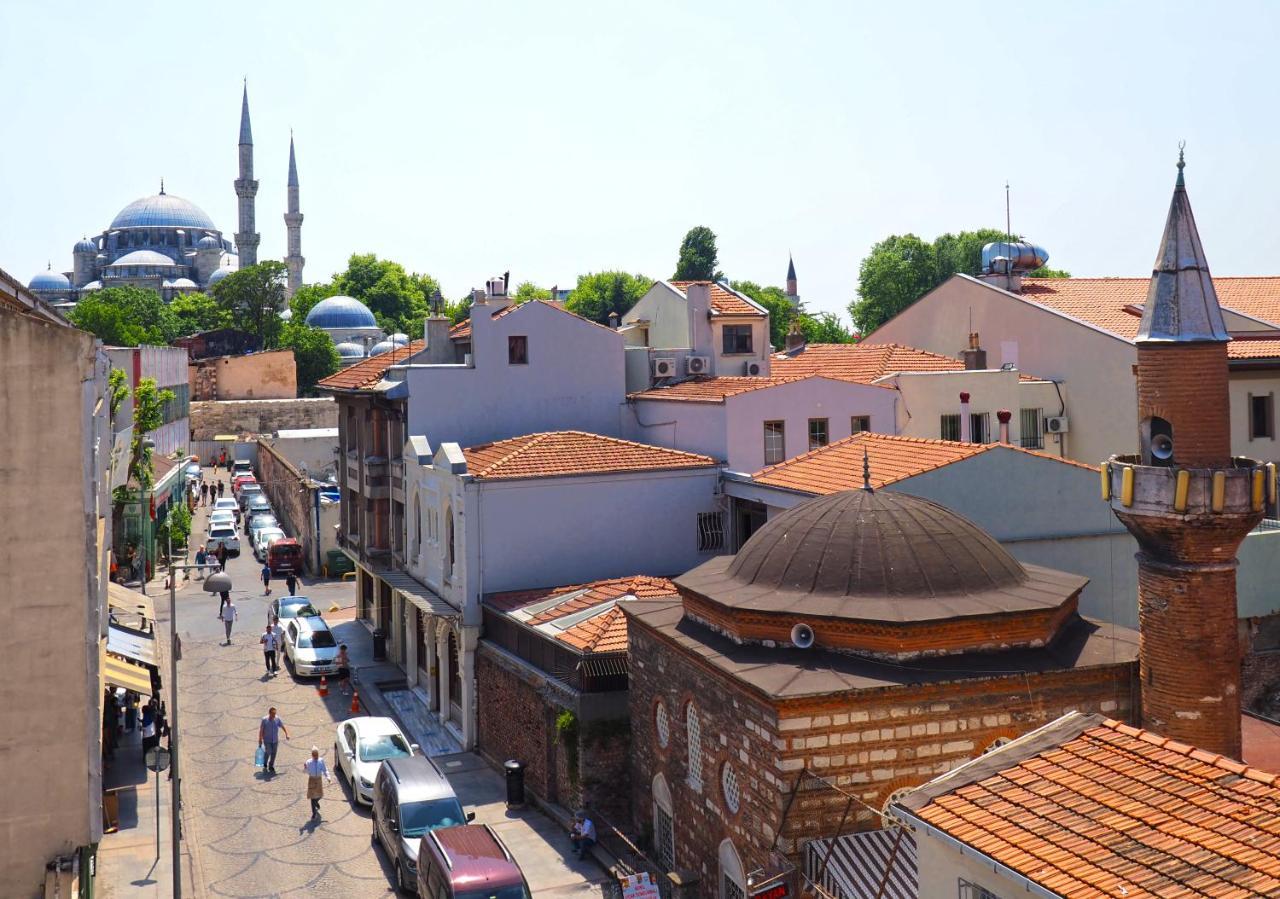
(1031, 423)
(662, 724)
(775, 442)
(664, 835)
(693, 731)
(730, 787)
(710, 532)
(949, 427)
(980, 427)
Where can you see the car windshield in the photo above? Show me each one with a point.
(261, 522)
(416, 818)
(316, 640)
(223, 532)
(383, 746)
(298, 610)
(515, 891)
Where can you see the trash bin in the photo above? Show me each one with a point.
(515, 782)
(379, 646)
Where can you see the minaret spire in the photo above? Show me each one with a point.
(293, 226)
(793, 293)
(247, 237)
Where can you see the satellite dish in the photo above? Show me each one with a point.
(1162, 447)
(802, 635)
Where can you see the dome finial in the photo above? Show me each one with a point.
(1182, 162)
(49, 266)
(162, 185)
(866, 471)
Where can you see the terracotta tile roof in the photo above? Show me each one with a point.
(710, 390)
(1247, 348)
(860, 361)
(1091, 807)
(370, 371)
(561, 453)
(462, 330)
(606, 632)
(839, 466)
(723, 300)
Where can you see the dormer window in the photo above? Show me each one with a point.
(736, 339)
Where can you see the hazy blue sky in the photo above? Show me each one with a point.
(556, 138)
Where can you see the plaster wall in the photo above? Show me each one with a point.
(667, 311)
(942, 866)
(1257, 383)
(212, 418)
(927, 396)
(312, 451)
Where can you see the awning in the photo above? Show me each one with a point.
(225, 438)
(604, 665)
(130, 602)
(417, 594)
(131, 644)
(872, 863)
(119, 673)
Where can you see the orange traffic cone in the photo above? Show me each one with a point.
(324, 686)
(355, 702)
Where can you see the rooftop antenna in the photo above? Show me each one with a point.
(866, 471)
(1008, 236)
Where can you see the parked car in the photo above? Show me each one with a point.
(223, 535)
(248, 492)
(193, 472)
(263, 539)
(360, 748)
(286, 607)
(309, 646)
(239, 481)
(453, 861)
(222, 518)
(257, 505)
(284, 556)
(228, 504)
(261, 522)
(411, 798)
(241, 466)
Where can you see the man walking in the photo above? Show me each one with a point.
(270, 644)
(221, 553)
(291, 581)
(204, 493)
(229, 614)
(315, 770)
(266, 579)
(201, 558)
(269, 739)
(220, 488)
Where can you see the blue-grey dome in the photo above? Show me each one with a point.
(350, 350)
(399, 339)
(382, 346)
(49, 280)
(341, 312)
(218, 275)
(92, 285)
(85, 246)
(180, 283)
(161, 211)
(208, 242)
(144, 257)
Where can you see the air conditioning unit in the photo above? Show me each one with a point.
(1056, 424)
(697, 365)
(664, 367)
(754, 369)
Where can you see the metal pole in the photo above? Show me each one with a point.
(174, 799)
(158, 806)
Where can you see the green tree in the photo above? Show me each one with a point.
(599, 293)
(117, 391)
(124, 316)
(825, 327)
(148, 416)
(962, 253)
(1045, 272)
(194, 312)
(527, 290)
(459, 310)
(898, 271)
(698, 256)
(253, 297)
(314, 354)
(398, 300)
(774, 299)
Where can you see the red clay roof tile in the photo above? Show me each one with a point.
(723, 300)
(606, 632)
(860, 361)
(365, 374)
(562, 453)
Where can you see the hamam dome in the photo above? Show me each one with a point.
(341, 312)
(162, 211)
(880, 573)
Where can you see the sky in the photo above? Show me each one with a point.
(558, 138)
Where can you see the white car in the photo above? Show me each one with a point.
(227, 504)
(309, 647)
(224, 518)
(223, 535)
(361, 747)
(262, 540)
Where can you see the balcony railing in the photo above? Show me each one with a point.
(353, 470)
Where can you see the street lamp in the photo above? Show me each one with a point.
(218, 582)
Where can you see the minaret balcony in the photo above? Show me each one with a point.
(1241, 490)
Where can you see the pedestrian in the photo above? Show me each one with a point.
(229, 613)
(224, 597)
(344, 667)
(315, 769)
(270, 643)
(221, 553)
(130, 710)
(204, 493)
(149, 738)
(269, 739)
(583, 835)
(266, 579)
(222, 459)
(291, 581)
(202, 557)
(220, 489)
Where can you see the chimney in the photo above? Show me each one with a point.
(497, 293)
(613, 320)
(966, 431)
(975, 357)
(795, 337)
(699, 303)
(436, 334)
(1003, 417)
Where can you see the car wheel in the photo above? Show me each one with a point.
(337, 764)
(400, 885)
(377, 840)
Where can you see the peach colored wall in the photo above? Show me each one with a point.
(258, 376)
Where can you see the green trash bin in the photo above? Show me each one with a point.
(338, 563)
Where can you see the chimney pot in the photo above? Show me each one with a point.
(613, 320)
(964, 397)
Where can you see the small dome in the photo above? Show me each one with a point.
(144, 257)
(208, 242)
(161, 211)
(399, 339)
(286, 314)
(218, 275)
(341, 312)
(85, 246)
(92, 285)
(350, 350)
(382, 346)
(49, 280)
(182, 283)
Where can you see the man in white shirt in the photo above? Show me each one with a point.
(583, 834)
(315, 769)
(270, 644)
(229, 614)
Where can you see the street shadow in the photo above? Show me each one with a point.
(148, 880)
(310, 827)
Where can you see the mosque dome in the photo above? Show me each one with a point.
(341, 312)
(349, 349)
(144, 257)
(162, 211)
(882, 573)
(218, 275)
(399, 339)
(208, 242)
(49, 280)
(382, 346)
(85, 246)
(181, 283)
(92, 285)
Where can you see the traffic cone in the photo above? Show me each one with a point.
(355, 701)
(324, 686)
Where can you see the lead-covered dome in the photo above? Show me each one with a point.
(882, 573)
(341, 312)
(144, 257)
(162, 211)
(85, 245)
(49, 280)
(350, 350)
(218, 275)
(208, 242)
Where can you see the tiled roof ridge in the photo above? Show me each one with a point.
(519, 445)
(974, 448)
(749, 383)
(369, 371)
(1200, 755)
(525, 442)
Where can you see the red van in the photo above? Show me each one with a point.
(467, 862)
(284, 556)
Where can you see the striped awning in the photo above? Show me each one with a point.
(119, 673)
(874, 863)
(134, 645)
(415, 593)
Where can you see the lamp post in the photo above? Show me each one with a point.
(217, 582)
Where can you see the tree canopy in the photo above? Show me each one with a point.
(599, 293)
(399, 300)
(698, 256)
(902, 268)
(124, 316)
(527, 290)
(253, 297)
(314, 354)
(822, 328)
(195, 312)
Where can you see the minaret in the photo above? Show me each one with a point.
(293, 225)
(792, 293)
(1186, 500)
(246, 189)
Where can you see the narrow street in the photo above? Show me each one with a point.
(251, 835)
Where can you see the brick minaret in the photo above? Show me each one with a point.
(247, 237)
(293, 227)
(1186, 500)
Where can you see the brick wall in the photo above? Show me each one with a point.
(213, 417)
(1186, 384)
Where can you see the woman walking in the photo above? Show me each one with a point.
(315, 769)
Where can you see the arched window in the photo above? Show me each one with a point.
(730, 787)
(693, 731)
(664, 831)
(733, 881)
(662, 724)
(417, 526)
(450, 555)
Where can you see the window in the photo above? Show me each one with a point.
(736, 339)
(710, 532)
(1031, 423)
(733, 880)
(775, 442)
(970, 890)
(450, 551)
(949, 429)
(859, 423)
(417, 525)
(980, 427)
(664, 832)
(730, 788)
(1262, 424)
(662, 724)
(693, 731)
(518, 350)
(817, 433)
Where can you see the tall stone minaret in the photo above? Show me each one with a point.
(1186, 500)
(246, 189)
(293, 225)
(793, 294)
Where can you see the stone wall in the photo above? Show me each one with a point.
(293, 499)
(252, 417)
(265, 376)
